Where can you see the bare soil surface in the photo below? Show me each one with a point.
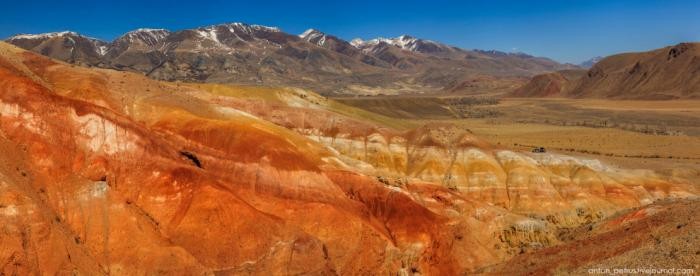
(663, 235)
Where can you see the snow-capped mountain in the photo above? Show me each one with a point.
(335, 44)
(589, 63)
(227, 35)
(223, 33)
(139, 40)
(42, 36)
(244, 53)
(149, 37)
(314, 36)
(404, 42)
(68, 35)
(66, 45)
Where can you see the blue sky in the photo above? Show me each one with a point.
(567, 31)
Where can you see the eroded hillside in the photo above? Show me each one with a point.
(107, 172)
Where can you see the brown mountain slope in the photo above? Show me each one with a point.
(552, 84)
(668, 73)
(66, 46)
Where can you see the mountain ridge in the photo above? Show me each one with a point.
(256, 54)
(661, 74)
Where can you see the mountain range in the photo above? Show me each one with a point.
(254, 54)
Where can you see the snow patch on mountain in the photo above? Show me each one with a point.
(314, 36)
(150, 37)
(310, 34)
(100, 47)
(241, 31)
(357, 42)
(209, 33)
(68, 34)
(102, 50)
(404, 42)
(42, 36)
(245, 28)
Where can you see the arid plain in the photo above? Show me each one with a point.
(627, 133)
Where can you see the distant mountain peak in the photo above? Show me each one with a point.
(147, 30)
(244, 27)
(357, 42)
(404, 42)
(148, 36)
(314, 36)
(224, 36)
(49, 35)
(68, 44)
(589, 63)
(40, 36)
(310, 32)
(330, 42)
(497, 53)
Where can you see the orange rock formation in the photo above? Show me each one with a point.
(110, 172)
